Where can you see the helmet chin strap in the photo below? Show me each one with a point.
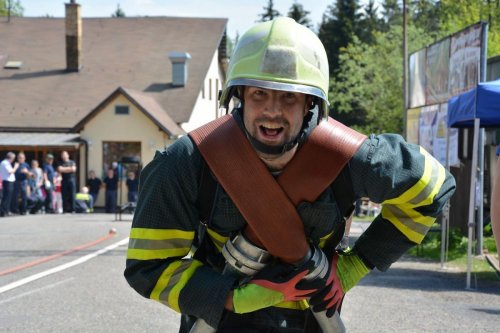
(275, 150)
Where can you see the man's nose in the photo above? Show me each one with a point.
(273, 107)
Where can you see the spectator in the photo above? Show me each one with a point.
(132, 187)
(67, 169)
(94, 185)
(84, 202)
(111, 183)
(58, 193)
(35, 199)
(20, 186)
(7, 174)
(36, 178)
(48, 177)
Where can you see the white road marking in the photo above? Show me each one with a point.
(28, 293)
(62, 267)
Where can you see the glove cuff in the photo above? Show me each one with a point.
(350, 269)
(252, 297)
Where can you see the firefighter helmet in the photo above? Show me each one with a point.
(282, 55)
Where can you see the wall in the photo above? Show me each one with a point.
(206, 106)
(134, 127)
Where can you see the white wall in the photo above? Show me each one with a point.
(206, 106)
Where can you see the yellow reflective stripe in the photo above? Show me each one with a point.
(413, 226)
(143, 254)
(172, 280)
(173, 296)
(324, 239)
(160, 234)
(148, 244)
(218, 239)
(300, 305)
(433, 170)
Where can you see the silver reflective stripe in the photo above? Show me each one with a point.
(174, 278)
(300, 88)
(406, 220)
(148, 244)
(427, 190)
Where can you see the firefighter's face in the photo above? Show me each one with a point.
(273, 117)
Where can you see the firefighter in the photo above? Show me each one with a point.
(278, 81)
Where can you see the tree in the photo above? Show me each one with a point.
(366, 92)
(269, 12)
(118, 12)
(299, 14)
(370, 23)
(16, 9)
(339, 26)
(392, 14)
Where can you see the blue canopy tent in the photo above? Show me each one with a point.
(482, 102)
(478, 107)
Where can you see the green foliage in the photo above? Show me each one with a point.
(16, 9)
(456, 15)
(366, 91)
(299, 14)
(338, 28)
(269, 12)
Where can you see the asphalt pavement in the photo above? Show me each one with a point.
(64, 273)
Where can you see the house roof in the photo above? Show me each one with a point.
(146, 104)
(21, 139)
(129, 52)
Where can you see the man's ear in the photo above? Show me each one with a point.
(309, 105)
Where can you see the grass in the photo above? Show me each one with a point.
(457, 253)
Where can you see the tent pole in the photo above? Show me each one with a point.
(446, 212)
(480, 216)
(472, 203)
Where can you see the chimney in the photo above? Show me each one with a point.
(73, 37)
(179, 67)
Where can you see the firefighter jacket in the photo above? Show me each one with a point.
(409, 183)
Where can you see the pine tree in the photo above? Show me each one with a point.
(338, 27)
(119, 12)
(370, 23)
(299, 14)
(392, 14)
(269, 12)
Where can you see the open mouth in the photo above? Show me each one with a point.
(270, 130)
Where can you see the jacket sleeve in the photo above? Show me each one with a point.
(163, 229)
(412, 187)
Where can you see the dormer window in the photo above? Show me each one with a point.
(122, 110)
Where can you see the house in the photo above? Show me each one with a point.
(106, 89)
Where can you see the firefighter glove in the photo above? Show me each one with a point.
(345, 272)
(273, 285)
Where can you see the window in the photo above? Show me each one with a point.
(122, 152)
(122, 109)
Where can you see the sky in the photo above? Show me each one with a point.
(242, 14)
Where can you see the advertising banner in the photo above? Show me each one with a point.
(436, 72)
(427, 123)
(440, 144)
(465, 57)
(412, 125)
(416, 93)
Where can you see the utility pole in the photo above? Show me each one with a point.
(405, 68)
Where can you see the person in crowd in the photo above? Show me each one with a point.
(48, 183)
(94, 184)
(84, 202)
(277, 134)
(111, 184)
(21, 186)
(67, 169)
(36, 179)
(132, 187)
(58, 200)
(8, 176)
(35, 199)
